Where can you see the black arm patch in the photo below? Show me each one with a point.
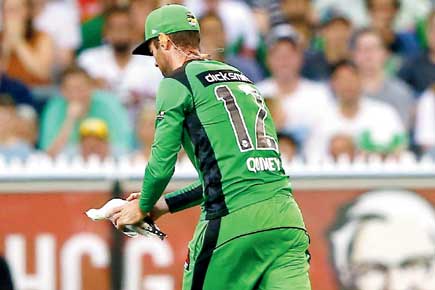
(181, 201)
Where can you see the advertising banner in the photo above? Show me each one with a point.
(360, 240)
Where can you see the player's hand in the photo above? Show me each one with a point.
(133, 196)
(128, 214)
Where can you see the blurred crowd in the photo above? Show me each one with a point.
(341, 78)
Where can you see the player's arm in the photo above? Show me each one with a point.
(173, 101)
(184, 198)
(187, 197)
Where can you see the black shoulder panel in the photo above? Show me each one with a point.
(180, 75)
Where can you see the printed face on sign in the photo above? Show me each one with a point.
(384, 241)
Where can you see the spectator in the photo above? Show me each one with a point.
(262, 17)
(213, 43)
(92, 28)
(410, 11)
(342, 145)
(60, 20)
(374, 126)
(94, 139)
(355, 9)
(19, 92)
(242, 35)
(132, 78)
(382, 15)
(12, 143)
(145, 131)
(27, 128)
(425, 122)
(62, 115)
(300, 15)
(419, 71)
(296, 103)
(335, 33)
(139, 10)
(288, 146)
(28, 53)
(89, 8)
(370, 55)
(276, 15)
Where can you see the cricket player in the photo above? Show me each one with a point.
(251, 234)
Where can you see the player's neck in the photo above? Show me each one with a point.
(179, 59)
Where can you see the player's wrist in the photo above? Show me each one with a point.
(160, 208)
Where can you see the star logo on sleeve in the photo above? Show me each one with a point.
(160, 115)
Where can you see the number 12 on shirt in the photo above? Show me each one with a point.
(263, 141)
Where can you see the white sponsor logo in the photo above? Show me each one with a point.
(225, 77)
(258, 164)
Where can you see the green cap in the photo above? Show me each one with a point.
(166, 19)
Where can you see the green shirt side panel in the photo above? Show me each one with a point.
(172, 103)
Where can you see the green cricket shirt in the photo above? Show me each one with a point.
(222, 122)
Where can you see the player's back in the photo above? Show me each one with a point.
(233, 136)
